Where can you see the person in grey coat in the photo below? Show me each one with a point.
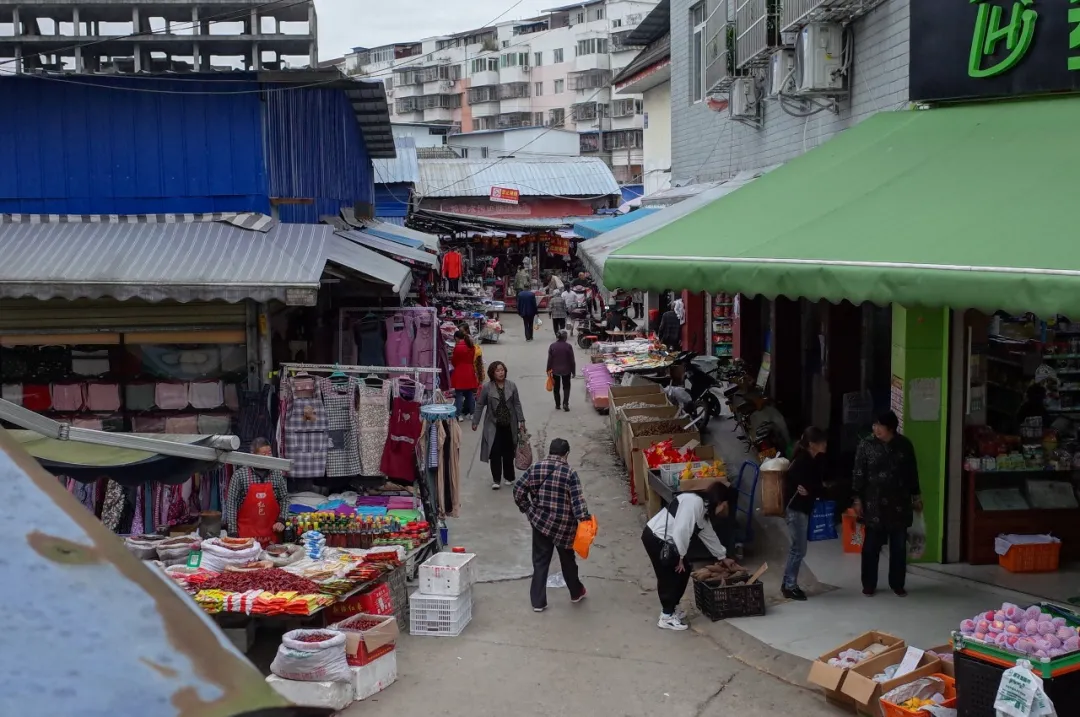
(504, 419)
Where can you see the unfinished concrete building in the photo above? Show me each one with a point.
(111, 36)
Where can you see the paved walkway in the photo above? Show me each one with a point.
(604, 656)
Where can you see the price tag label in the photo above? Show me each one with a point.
(194, 559)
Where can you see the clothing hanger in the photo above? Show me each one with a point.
(338, 375)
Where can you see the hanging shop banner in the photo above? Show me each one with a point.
(502, 195)
(559, 246)
(966, 49)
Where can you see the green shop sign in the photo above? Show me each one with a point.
(966, 49)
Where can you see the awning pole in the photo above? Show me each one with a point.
(220, 453)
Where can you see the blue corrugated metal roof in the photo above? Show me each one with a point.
(532, 176)
(392, 200)
(595, 227)
(402, 235)
(404, 168)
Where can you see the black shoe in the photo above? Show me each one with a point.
(794, 593)
(566, 407)
(901, 592)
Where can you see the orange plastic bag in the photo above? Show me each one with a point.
(550, 383)
(586, 533)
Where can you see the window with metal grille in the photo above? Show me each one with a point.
(589, 142)
(513, 90)
(557, 117)
(483, 94)
(626, 108)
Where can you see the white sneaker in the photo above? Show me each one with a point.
(680, 614)
(671, 622)
(495, 486)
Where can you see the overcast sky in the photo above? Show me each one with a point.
(345, 24)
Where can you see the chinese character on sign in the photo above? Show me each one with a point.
(504, 195)
(989, 32)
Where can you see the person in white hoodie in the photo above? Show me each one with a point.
(686, 516)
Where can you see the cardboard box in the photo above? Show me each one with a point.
(364, 646)
(618, 395)
(624, 427)
(831, 679)
(859, 684)
(947, 668)
(639, 468)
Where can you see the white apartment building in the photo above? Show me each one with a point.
(551, 71)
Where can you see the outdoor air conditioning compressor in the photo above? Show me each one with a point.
(819, 59)
(782, 73)
(744, 99)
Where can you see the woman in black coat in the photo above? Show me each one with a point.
(802, 485)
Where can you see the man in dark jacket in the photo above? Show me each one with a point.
(526, 308)
(562, 364)
(887, 493)
(550, 496)
(670, 331)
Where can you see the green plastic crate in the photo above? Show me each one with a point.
(1045, 668)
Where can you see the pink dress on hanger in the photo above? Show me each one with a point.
(398, 341)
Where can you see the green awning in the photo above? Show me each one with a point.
(974, 206)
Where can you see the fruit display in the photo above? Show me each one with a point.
(712, 469)
(1025, 631)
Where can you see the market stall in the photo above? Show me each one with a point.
(1021, 447)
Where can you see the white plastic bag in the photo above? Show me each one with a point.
(916, 537)
(1020, 694)
(323, 661)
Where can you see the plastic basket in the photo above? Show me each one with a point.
(439, 615)
(670, 472)
(448, 574)
(719, 602)
(888, 709)
(977, 683)
(1031, 558)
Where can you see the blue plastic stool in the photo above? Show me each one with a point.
(748, 492)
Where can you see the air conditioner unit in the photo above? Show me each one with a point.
(743, 103)
(781, 73)
(526, 69)
(819, 59)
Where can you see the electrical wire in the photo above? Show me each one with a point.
(232, 17)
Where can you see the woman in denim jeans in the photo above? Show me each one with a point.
(802, 484)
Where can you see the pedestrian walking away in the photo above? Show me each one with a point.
(558, 311)
(504, 421)
(526, 308)
(562, 364)
(803, 483)
(550, 496)
(463, 378)
(887, 495)
(667, 538)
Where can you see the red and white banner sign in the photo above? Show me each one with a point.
(504, 195)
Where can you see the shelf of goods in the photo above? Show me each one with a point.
(1006, 502)
(722, 325)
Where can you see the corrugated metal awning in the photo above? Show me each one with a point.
(198, 261)
(403, 168)
(159, 262)
(371, 264)
(532, 176)
(401, 235)
(391, 248)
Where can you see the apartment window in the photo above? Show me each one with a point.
(592, 46)
(616, 23)
(513, 90)
(558, 56)
(698, 15)
(579, 18)
(515, 59)
(538, 119)
(560, 85)
(464, 152)
(484, 64)
(557, 117)
(482, 123)
(483, 153)
(506, 43)
(538, 59)
(538, 89)
(598, 14)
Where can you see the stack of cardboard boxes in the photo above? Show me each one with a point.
(854, 689)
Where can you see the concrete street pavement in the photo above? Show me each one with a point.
(605, 655)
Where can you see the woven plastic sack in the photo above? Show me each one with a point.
(217, 557)
(143, 546)
(323, 661)
(523, 457)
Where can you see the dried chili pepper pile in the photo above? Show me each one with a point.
(274, 580)
(316, 637)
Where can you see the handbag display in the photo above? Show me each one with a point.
(523, 457)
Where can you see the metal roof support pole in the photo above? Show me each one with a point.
(221, 450)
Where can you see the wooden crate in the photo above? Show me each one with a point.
(624, 428)
(653, 395)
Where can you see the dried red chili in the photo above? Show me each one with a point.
(274, 580)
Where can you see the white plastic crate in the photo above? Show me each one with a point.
(448, 574)
(439, 615)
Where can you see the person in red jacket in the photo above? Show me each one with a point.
(463, 379)
(451, 269)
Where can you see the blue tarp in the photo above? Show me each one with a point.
(631, 192)
(595, 227)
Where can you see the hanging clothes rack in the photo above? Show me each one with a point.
(413, 372)
(345, 314)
